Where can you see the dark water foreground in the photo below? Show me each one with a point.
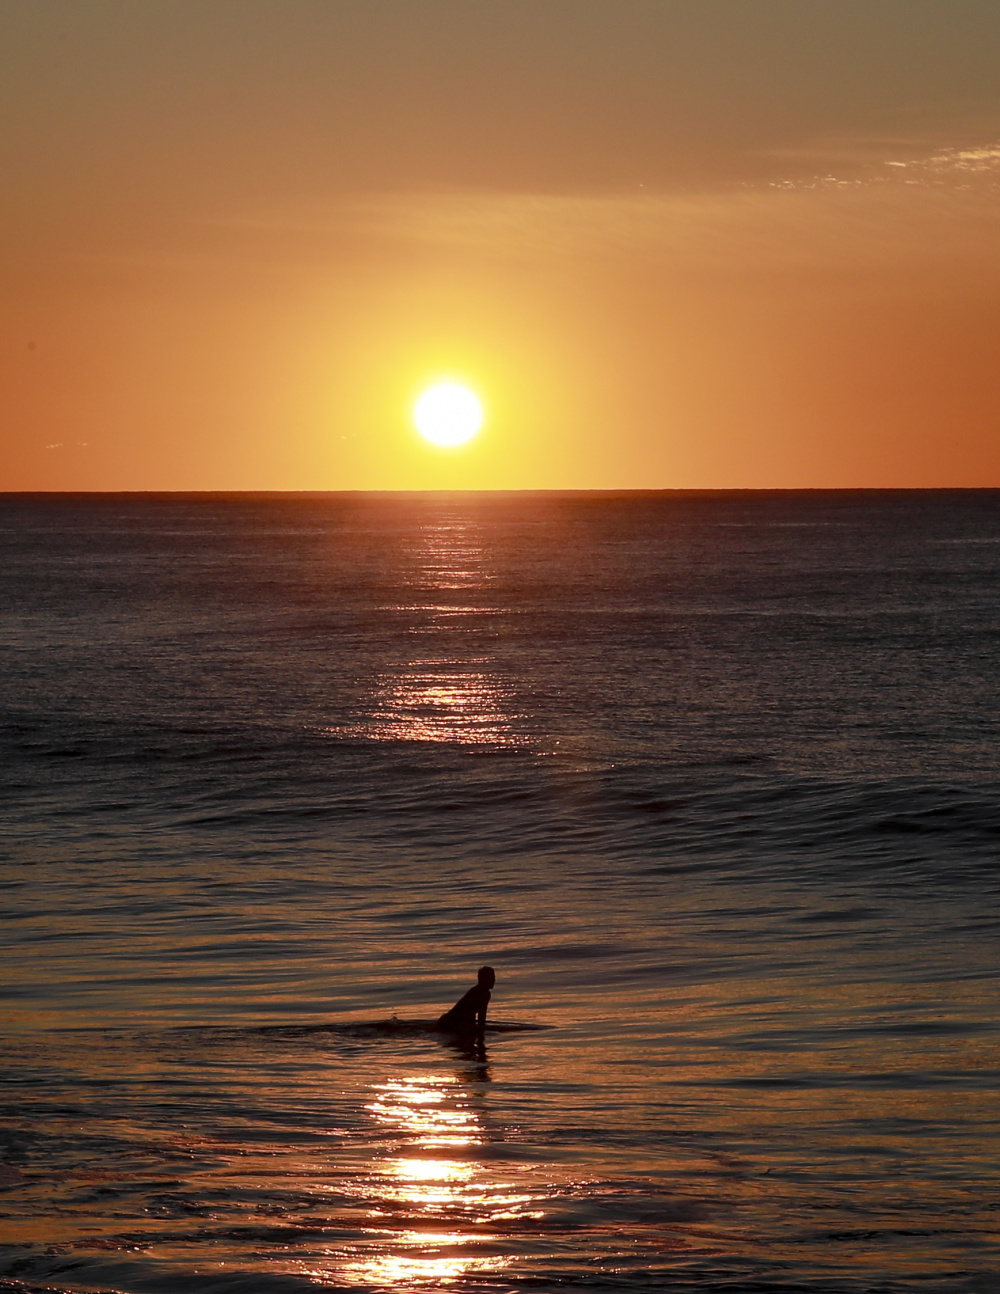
(710, 780)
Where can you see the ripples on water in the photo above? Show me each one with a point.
(711, 780)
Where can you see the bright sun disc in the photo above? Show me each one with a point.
(448, 414)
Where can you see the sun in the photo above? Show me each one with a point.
(448, 413)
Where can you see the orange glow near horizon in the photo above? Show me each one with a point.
(791, 286)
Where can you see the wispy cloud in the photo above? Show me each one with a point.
(873, 207)
(933, 211)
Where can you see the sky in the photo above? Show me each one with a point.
(670, 243)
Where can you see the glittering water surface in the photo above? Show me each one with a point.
(710, 780)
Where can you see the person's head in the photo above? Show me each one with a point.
(487, 976)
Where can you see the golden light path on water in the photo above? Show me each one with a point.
(441, 1208)
(433, 702)
(456, 694)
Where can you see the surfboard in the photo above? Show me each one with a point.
(396, 1027)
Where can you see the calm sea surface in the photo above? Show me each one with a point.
(710, 780)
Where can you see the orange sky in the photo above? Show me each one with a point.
(674, 243)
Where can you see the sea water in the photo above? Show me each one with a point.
(709, 779)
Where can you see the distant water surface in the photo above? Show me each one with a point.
(710, 779)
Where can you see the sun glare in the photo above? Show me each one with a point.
(447, 414)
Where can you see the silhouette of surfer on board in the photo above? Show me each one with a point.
(468, 1015)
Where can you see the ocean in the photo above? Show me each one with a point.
(710, 779)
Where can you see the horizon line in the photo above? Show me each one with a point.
(486, 493)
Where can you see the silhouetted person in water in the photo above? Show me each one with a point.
(468, 1015)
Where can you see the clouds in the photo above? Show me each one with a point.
(241, 98)
(930, 214)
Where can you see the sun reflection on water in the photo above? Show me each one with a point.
(452, 691)
(432, 701)
(436, 1209)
